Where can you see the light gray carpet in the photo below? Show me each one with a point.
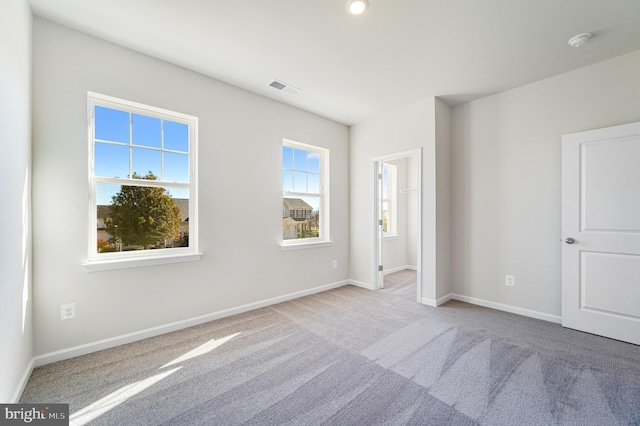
(354, 357)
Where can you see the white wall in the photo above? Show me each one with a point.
(240, 195)
(408, 128)
(16, 335)
(443, 199)
(506, 171)
(412, 212)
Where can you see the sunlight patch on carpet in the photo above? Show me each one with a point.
(201, 350)
(116, 398)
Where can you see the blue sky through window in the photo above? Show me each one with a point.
(301, 173)
(111, 124)
(146, 131)
(176, 136)
(128, 143)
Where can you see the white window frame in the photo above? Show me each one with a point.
(392, 199)
(118, 260)
(325, 234)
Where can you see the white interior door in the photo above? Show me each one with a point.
(601, 232)
(378, 165)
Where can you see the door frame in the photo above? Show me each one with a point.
(415, 154)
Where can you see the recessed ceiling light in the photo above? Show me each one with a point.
(357, 7)
(579, 40)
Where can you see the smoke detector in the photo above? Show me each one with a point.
(284, 87)
(579, 40)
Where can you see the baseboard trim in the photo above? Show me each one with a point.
(362, 284)
(398, 269)
(506, 308)
(23, 382)
(99, 345)
(428, 302)
(441, 301)
(434, 303)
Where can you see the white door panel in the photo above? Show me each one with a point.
(595, 283)
(610, 185)
(601, 213)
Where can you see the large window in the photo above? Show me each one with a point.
(305, 200)
(142, 179)
(389, 199)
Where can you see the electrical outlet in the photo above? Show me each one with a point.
(509, 280)
(335, 264)
(68, 311)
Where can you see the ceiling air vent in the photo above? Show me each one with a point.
(284, 87)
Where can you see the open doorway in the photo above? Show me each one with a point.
(398, 211)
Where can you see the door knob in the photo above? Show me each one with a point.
(569, 240)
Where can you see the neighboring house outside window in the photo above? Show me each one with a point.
(305, 200)
(142, 174)
(389, 199)
(298, 213)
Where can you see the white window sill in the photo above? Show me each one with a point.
(305, 245)
(107, 265)
(391, 237)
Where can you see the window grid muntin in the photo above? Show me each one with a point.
(133, 146)
(293, 169)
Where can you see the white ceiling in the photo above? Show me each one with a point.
(352, 68)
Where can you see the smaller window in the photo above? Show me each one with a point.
(305, 195)
(389, 199)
